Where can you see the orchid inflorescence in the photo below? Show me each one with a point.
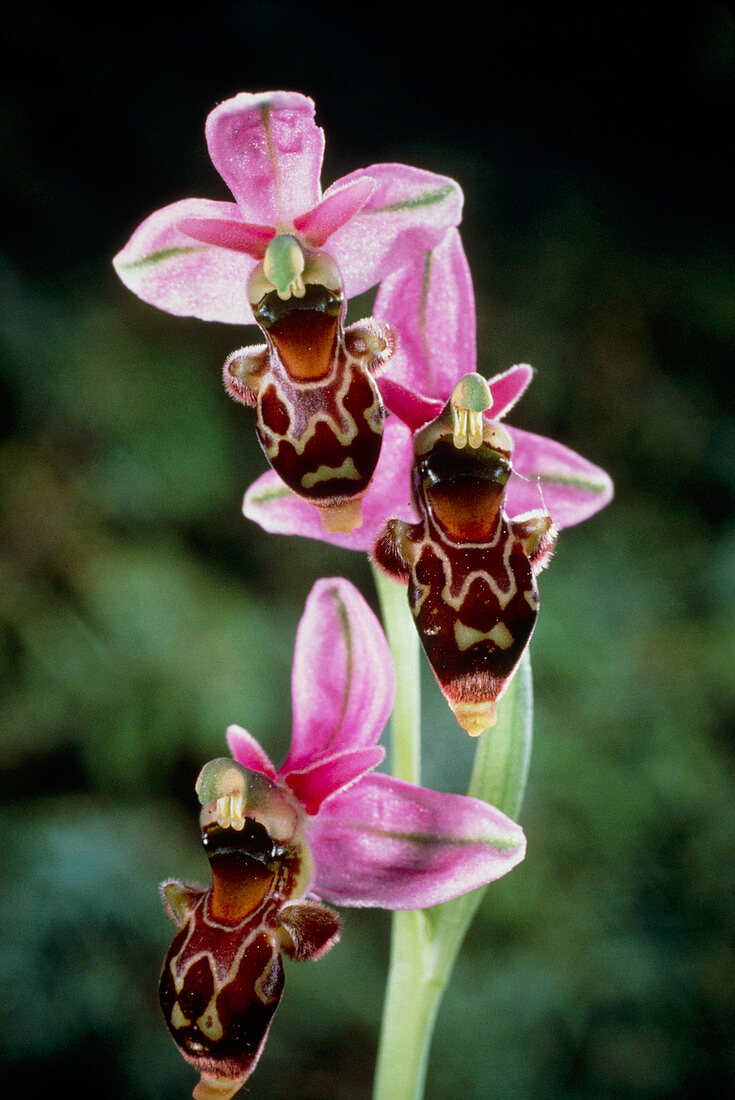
(381, 438)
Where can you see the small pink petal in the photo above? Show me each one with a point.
(171, 270)
(342, 681)
(312, 785)
(507, 388)
(431, 304)
(408, 212)
(410, 407)
(268, 150)
(549, 475)
(247, 751)
(238, 235)
(271, 504)
(340, 203)
(387, 843)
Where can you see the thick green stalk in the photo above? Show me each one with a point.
(425, 943)
(411, 998)
(404, 645)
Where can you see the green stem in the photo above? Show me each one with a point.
(404, 645)
(425, 943)
(411, 998)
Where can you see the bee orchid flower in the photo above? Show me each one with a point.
(323, 827)
(462, 509)
(287, 256)
(429, 303)
(196, 257)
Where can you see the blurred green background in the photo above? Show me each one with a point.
(141, 614)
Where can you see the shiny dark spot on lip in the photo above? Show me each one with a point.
(253, 841)
(447, 463)
(317, 299)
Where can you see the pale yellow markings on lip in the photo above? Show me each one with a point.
(344, 437)
(209, 1022)
(531, 598)
(466, 636)
(178, 1019)
(456, 602)
(222, 973)
(260, 984)
(326, 473)
(373, 415)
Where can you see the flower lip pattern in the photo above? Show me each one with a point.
(469, 571)
(222, 977)
(196, 256)
(374, 840)
(430, 304)
(324, 825)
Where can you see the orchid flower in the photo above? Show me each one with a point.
(430, 305)
(288, 257)
(322, 826)
(470, 571)
(453, 507)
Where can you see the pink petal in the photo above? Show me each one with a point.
(168, 268)
(549, 475)
(238, 235)
(246, 751)
(342, 681)
(386, 843)
(507, 388)
(408, 212)
(271, 504)
(269, 152)
(340, 203)
(408, 405)
(431, 304)
(312, 785)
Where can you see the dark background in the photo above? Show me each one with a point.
(141, 613)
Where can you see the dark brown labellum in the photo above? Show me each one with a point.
(222, 977)
(470, 571)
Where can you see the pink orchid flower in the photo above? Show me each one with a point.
(321, 826)
(195, 257)
(430, 304)
(375, 840)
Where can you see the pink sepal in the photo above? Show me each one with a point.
(408, 212)
(383, 842)
(547, 475)
(268, 150)
(343, 681)
(169, 269)
(431, 304)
